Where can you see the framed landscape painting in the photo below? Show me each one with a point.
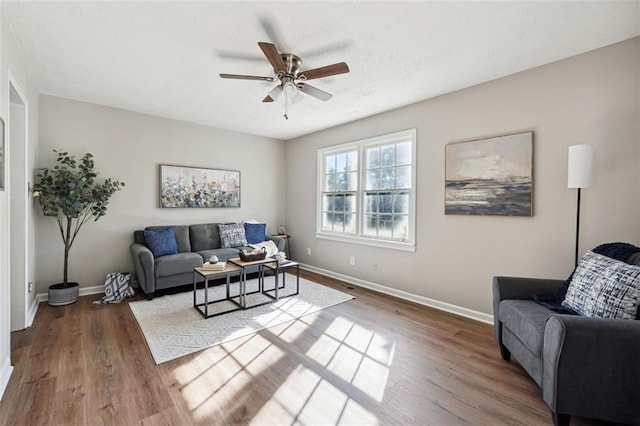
(490, 176)
(194, 187)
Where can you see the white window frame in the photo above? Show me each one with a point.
(407, 244)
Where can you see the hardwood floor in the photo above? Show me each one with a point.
(373, 360)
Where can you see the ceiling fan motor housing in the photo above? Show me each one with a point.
(292, 64)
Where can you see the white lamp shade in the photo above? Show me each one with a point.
(580, 166)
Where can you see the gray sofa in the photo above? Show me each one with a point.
(588, 367)
(196, 244)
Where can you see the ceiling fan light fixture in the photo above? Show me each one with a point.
(289, 89)
(275, 92)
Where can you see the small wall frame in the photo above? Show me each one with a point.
(193, 187)
(492, 176)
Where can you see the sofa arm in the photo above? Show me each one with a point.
(144, 265)
(591, 368)
(279, 241)
(518, 288)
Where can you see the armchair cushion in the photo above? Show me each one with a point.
(161, 242)
(604, 287)
(525, 318)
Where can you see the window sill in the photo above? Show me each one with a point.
(394, 245)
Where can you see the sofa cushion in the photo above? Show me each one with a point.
(223, 254)
(604, 287)
(175, 264)
(204, 236)
(255, 232)
(232, 235)
(161, 242)
(525, 319)
(182, 236)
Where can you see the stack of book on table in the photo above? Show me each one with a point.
(218, 266)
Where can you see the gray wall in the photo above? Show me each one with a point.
(130, 147)
(592, 98)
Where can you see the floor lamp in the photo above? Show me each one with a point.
(579, 176)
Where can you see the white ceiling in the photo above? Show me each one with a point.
(163, 58)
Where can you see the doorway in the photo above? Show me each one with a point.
(23, 300)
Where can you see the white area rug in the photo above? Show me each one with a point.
(174, 328)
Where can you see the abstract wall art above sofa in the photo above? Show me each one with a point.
(198, 187)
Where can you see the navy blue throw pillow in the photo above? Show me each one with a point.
(255, 232)
(161, 242)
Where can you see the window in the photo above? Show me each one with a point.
(367, 191)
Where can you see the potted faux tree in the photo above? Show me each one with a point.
(70, 193)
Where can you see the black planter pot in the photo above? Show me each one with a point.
(60, 295)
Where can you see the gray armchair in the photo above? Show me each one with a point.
(588, 367)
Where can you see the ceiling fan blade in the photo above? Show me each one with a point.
(273, 94)
(325, 71)
(246, 77)
(271, 52)
(315, 92)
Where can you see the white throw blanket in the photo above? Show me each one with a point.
(268, 245)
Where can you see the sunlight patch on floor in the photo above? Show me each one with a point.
(306, 398)
(214, 385)
(356, 355)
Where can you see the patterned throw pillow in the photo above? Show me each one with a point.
(604, 287)
(161, 242)
(232, 235)
(256, 232)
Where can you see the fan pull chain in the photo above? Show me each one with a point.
(286, 108)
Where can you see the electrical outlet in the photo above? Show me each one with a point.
(30, 286)
(374, 266)
(352, 261)
(308, 251)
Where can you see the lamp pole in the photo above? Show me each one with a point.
(579, 176)
(577, 228)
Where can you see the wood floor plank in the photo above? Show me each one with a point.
(373, 360)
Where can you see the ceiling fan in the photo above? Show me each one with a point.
(291, 79)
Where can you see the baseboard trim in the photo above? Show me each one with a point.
(84, 291)
(443, 306)
(5, 375)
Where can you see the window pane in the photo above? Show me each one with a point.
(341, 162)
(350, 223)
(338, 222)
(341, 181)
(387, 177)
(330, 183)
(352, 181)
(371, 203)
(401, 203)
(386, 205)
(373, 179)
(373, 158)
(350, 203)
(388, 154)
(401, 227)
(338, 203)
(370, 225)
(352, 161)
(403, 177)
(330, 164)
(327, 221)
(327, 203)
(403, 153)
(385, 225)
